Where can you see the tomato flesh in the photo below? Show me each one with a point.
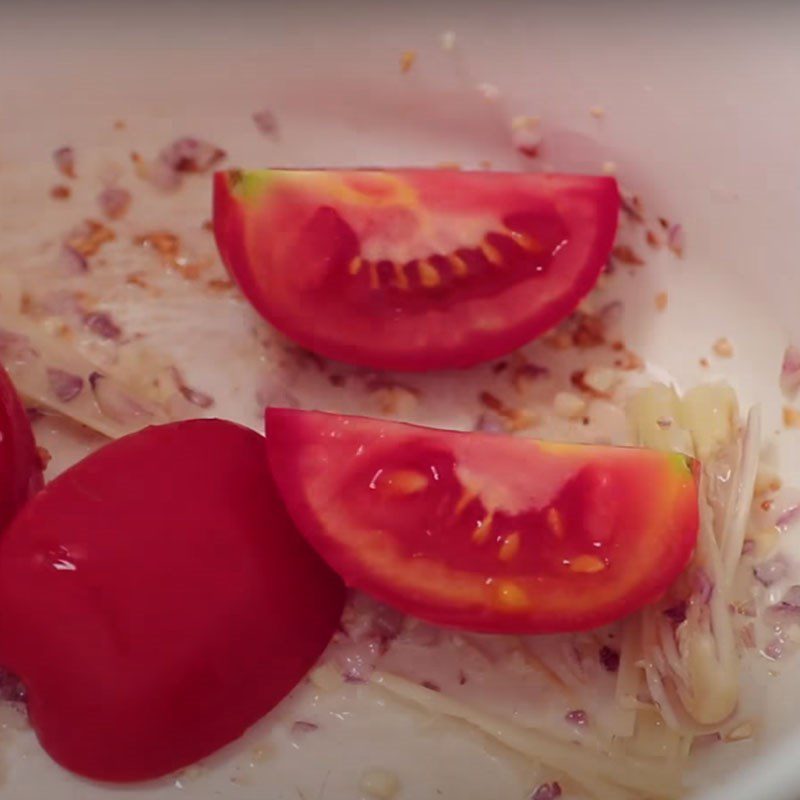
(413, 269)
(157, 601)
(20, 467)
(486, 532)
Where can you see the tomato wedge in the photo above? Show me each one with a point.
(413, 269)
(20, 467)
(157, 600)
(486, 532)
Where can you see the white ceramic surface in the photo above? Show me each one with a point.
(700, 116)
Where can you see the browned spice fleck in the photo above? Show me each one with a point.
(663, 222)
(653, 239)
(629, 361)
(514, 419)
(662, 300)
(791, 417)
(137, 279)
(337, 380)
(625, 254)
(89, 237)
(220, 284)
(525, 373)
(60, 192)
(434, 687)
(168, 246)
(578, 380)
(119, 125)
(560, 340)
(163, 242)
(208, 225)
(590, 330)
(704, 362)
(407, 60)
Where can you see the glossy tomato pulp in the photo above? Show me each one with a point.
(157, 600)
(486, 532)
(20, 468)
(413, 269)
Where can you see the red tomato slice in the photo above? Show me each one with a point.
(157, 601)
(413, 269)
(486, 532)
(20, 467)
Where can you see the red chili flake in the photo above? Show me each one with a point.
(631, 206)
(101, 324)
(64, 158)
(189, 154)
(114, 201)
(301, 726)
(305, 358)
(547, 791)
(266, 122)
(34, 414)
(652, 238)
(16, 347)
(60, 192)
(462, 677)
(609, 658)
(43, 456)
(676, 613)
(194, 396)
(434, 687)
(625, 254)
(65, 385)
(499, 367)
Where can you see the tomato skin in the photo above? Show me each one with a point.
(157, 601)
(292, 238)
(20, 467)
(628, 520)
